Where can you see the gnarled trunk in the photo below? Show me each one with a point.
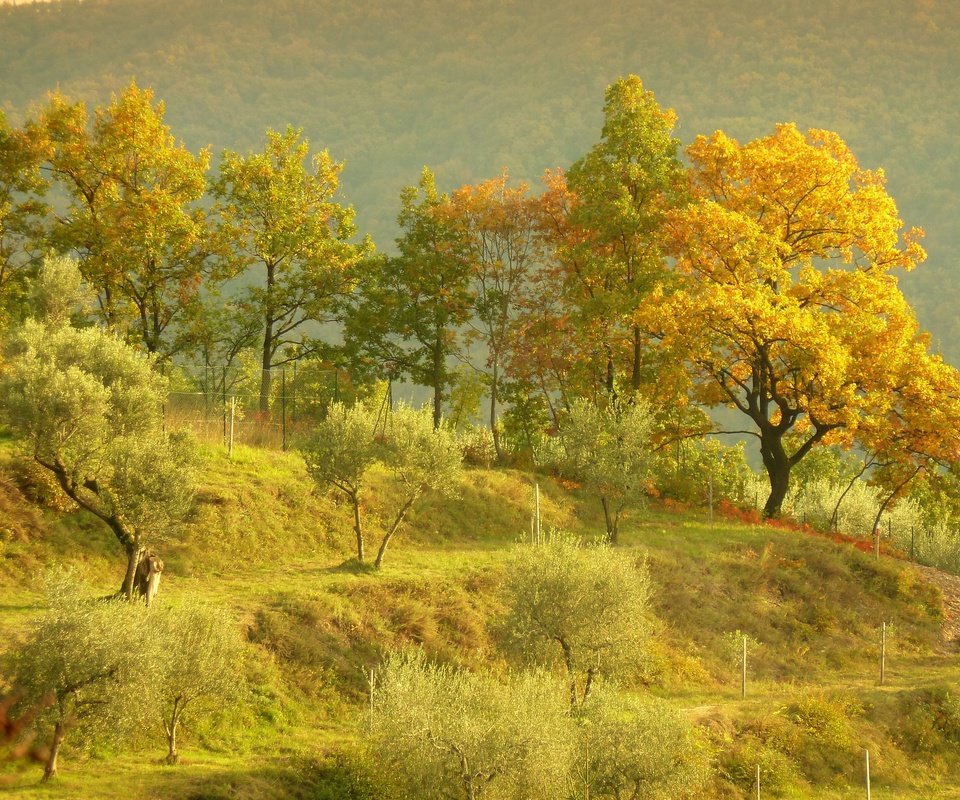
(50, 769)
(777, 464)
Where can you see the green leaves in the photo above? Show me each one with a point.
(448, 733)
(279, 214)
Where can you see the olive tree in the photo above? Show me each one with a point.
(340, 452)
(633, 747)
(90, 410)
(89, 657)
(423, 458)
(446, 733)
(200, 664)
(608, 448)
(585, 607)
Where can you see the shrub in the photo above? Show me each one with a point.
(447, 733)
(585, 608)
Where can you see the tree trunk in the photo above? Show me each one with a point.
(173, 757)
(393, 529)
(495, 432)
(637, 359)
(266, 360)
(357, 529)
(134, 554)
(610, 520)
(437, 383)
(50, 770)
(778, 471)
(610, 380)
(265, 364)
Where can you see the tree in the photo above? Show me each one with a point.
(132, 221)
(586, 607)
(91, 657)
(90, 409)
(342, 449)
(406, 312)
(423, 459)
(448, 733)
(280, 217)
(612, 245)
(786, 309)
(498, 241)
(608, 448)
(22, 212)
(200, 664)
(634, 747)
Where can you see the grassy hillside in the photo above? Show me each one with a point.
(469, 88)
(266, 545)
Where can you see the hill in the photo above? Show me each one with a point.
(469, 88)
(263, 543)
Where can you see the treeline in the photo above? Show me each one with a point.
(475, 88)
(759, 276)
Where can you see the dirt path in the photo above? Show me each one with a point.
(950, 587)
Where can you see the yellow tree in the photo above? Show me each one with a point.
(919, 432)
(133, 218)
(787, 306)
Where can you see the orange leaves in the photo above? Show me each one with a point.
(786, 306)
(806, 192)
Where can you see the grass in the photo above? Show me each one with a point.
(277, 550)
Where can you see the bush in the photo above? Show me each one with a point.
(477, 444)
(447, 733)
(585, 608)
(685, 473)
(639, 747)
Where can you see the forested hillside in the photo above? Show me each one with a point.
(469, 88)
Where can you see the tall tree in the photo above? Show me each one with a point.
(498, 239)
(408, 309)
(133, 218)
(280, 214)
(613, 242)
(787, 309)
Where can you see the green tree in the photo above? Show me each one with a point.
(623, 189)
(449, 733)
(584, 607)
(609, 449)
(423, 459)
(91, 657)
(90, 409)
(281, 218)
(407, 311)
(199, 664)
(133, 218)
(340, 452)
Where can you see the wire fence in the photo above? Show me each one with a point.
(240, 404)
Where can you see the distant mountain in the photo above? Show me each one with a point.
(472, 86)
